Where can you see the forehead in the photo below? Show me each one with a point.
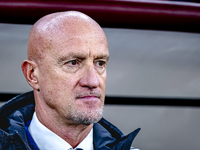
(80, 46)
(75, 36)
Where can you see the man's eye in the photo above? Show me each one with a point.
(101, 63)
(72, 62)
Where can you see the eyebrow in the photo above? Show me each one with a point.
(106, 57)
(70, 56)
(80, 56)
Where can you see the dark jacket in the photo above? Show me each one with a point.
(19, 110)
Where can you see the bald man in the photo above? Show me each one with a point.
(66, 67)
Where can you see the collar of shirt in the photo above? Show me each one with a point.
(47, 140)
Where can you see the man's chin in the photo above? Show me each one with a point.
(86, 117)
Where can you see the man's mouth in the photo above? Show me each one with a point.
(89, 98)
(88, 95)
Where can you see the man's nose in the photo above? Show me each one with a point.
(90, 78)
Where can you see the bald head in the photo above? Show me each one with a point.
(48, 31)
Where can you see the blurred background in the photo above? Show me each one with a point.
(143, 63)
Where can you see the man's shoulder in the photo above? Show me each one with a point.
(18, 101)
(19, 108)
(107, 134)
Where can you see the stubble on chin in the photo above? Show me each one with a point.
(87, 117)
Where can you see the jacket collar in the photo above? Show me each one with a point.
(108, 137)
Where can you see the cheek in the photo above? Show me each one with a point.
(56, 84)
(53, 77)
(57, 91)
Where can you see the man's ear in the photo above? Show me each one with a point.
(30, 72)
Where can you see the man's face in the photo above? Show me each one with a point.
(72, 76)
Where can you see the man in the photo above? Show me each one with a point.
(66, 67)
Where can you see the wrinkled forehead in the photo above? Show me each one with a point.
(75, 34)
(56, 28)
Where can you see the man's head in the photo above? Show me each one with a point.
(66, 67)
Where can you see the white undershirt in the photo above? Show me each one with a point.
(47, 140)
